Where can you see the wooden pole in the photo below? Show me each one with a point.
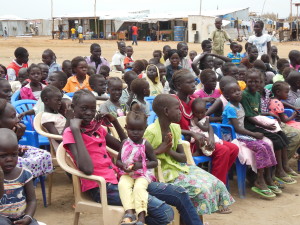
(95, 15)
(52, 19)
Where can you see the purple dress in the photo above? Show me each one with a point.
(92, 63)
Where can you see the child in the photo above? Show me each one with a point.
(127, 94)
(294, 57)
(49, 58)
(3, 71)
(200, 124)
(165, 56)
(209, 93)
(140, 88)
(192, 55)
(260, 40)
(174, 66)
(251, 105)
(234, 55)
(261, 151)
(266, 60)
(5, 90)
(134, 181)
(128, 61)
(80, 80)
(163, 72)
(252, 56)
(113, 105)
(117, 62)
(19, 204)
(67, 68)
(157, 54)
(104, 71)
(274, 57)
(230, 69)
(96, 60)
(206, 192)
(225, 154)
(242, 73)
(45, 72)
(138, 67)
(293, 79)
(98, 84)
(34, 88)
(80, 38)
(281, 65)
(218, 37)
(91, 70)
(19, 62)
(153, 78)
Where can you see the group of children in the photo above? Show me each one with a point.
(190, 93)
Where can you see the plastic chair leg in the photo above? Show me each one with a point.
(241, 177)
(42, 181)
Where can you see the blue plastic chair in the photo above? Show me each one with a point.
(70, 94)
(148, 38)
(151, 118)
(241, 169)
(288, 112)
(15, 97)
(150, 100)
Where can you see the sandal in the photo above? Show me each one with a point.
(293, 174)
(275, 189)
(286, 180)
(279, 184)
(267, 193)
(224, 210)
(126, 218)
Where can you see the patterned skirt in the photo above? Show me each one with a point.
(37, 161)
(206, 191)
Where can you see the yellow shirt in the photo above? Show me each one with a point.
(73, 85)
(73, 30)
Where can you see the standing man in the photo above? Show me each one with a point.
(5, 34)
(61, 32)
(134, 29)
(80, 29)
(73, 33)
(218, 37)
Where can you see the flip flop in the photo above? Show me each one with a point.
(275, 189)
(222, 211)
(132, 217)
(279, 184)
(286, 180)
(293, 174)
(262, 192)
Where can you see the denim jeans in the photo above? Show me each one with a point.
(134, 39)
(73, 36)
(159, 213)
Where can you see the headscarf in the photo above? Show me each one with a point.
(155, 89)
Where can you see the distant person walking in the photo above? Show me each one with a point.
(5, 34)
(73, 33)
(80, 29)
(61, 32)
(134, 30)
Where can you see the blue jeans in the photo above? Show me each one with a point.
(134, 39)
(73, 36)
(159, 212)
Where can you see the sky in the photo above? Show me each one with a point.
(40, 9)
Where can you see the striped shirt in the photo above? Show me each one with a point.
(235, 58)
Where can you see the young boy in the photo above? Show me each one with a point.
(19, 62)
(104, 71)
(218, 37)
(230, 69)
(165, 56)
(21, 80)
(252, 53)
(294, 57)
(281, 65)
(98, 84)
(127, 95)
(235, 56)
(67, 68)
(128, 61)
(192, 55)
(157, 54)
(45, 72)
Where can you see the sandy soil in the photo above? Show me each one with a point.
(284, 210)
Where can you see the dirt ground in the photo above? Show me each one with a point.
(284, 210)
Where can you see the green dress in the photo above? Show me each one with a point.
(206, 191)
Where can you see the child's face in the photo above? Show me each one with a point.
(162, 71)
(235, 93)
(104, 73)
(81, 69)
(207, 48)
(8, 157)
(115, 90)
(147, 90)
(283, 93)
(234, 72)
(166, 51)
(257, 28)
(90, 71)
(199, 110)
(274, 51)
(240, 49)
(218, 24)
(35, 75)
(2, 73)
(183, 51)
(45, 71)
(22, 77)
(9, 117)
(122, 47)
(54, 81)
(174, 60)
(67, 69)
(135, 129)
(187, 84)
(253, 82)
(253, 54)
(218, 63)
(24, 59)
(235, 48)
(173, 111)
(54, 101)
(99, 86)
(85, 109)
(96, 52)
(209, 62)
(156, 55)
(192, 55)
(5, 90)
(47, 59)
(129, 51)
(210, 83)
(152, 73)
(242, 73)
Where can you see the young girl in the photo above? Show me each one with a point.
(49, 58)
(251, 105)
(206, 192)
(113, 105)
(5, 90)
(261, 156)
(91, 157)
(174, 66)
(45, 72)
(96, 60)
(3, 71)
(80, 80)
(18, 204)
(33, 89)
(128, 61)
(200, 124)
(252, 56)
(140, 88)
(153, 78)
(134, 160)
(209, 93)
(224, 154)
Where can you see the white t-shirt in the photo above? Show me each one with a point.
(260, 43)
(117, 60)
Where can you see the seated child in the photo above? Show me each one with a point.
(242, 73)
(230, 69)
(21, 61)
(34, 88)
(200, 124)
(251, 104)
(98, 84)
(162, 73)
(3, 72)
(274, 57)
(104, 71)
(234, 55)
(138, 67)
(67, 68)
(45, 72)
(256, 151)
(207, 192)
(293, 79)
(80, 80)
(174, 65)
(127, 94)
(252, 56)
(209, 93)
(294, 57)
(165, 56)
(128, 61)
(192, 55)
(140, 88)
(266, 59)
(49, 58)
(19, 202)
(157, 54)
(281, 65)
(113, 105)
(91, 70)
(5, 90)
(153, 78)
(135, 161)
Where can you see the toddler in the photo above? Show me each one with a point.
(234, 55)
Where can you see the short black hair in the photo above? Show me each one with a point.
(294, 54)
(75, 61)
(278, 85)
(139, 64)
(138, 86)
(292, 77)
(265, 58)
(157, 51)
(113, 79)
(20, 52)
(178, 76)
(48, 91)
(136, 116)
(32, 66)
(160, 102)
(128, 74)
(261, 23)
(4, 68)
(204, 43)
(93, 46)
(153, 61)
(260, 65)
(62, 76)
(226, 80)
(94, 77)
(197, 101)
(286, 73)
(79, 93)
(166, 46)
(65, 61)
(180, 44)
(206, 74)
(233, 44)
(171, 52)
(250, 48)
(105, 69)
(226, 67)
(51, 53)
(253, 70)
(280, 63)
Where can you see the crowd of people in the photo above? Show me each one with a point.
(248, 91)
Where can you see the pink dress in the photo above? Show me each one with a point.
(202, 94)
(132, 152)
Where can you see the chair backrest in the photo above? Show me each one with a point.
(122, 122)
(15, 97)
(70, 94)
(288, 112)
(151, 118)
(23, 106)
(150, 100)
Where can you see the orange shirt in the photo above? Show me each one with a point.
(73, 85)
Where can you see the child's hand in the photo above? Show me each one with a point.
(21, 115)
(107, 116)
(210, 99)
(166, 145)
(22, 150)
(75, 123)
(19, 129)
(269, 127)
(211, 143)
(126, 168)
(137, 166)
(25, 221)
(200, 138)
(258, 135)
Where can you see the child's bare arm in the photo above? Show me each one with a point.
(287, 105)
(102, 98)
(178, 155)
(204, 127)
(51, 128)
(215, 107)
(224, 58)
(285, 119)
(30, 204)
(152, 160)
(113, 143)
